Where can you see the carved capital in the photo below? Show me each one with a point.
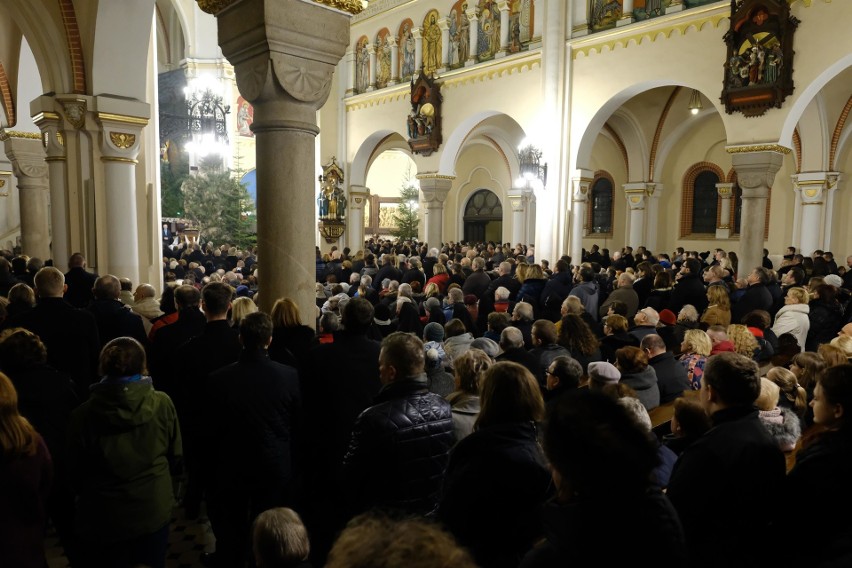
(305, 80)
(580, 188)
(756, 171)
(725, 190)
(636, 194)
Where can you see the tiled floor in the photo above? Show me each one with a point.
(187, 540)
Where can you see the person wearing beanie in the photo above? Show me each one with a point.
(602, 373)
(433, 338)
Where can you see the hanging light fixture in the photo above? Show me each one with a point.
(533, 172)
(695, 102)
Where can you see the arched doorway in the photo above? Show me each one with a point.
(483, 217)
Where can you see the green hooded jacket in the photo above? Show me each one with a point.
(124, 444)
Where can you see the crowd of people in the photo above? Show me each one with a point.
(462, 405)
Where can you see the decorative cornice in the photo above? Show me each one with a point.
(487, 71)
(752, 148)
(650, 30)
(123, 118)
(434, 176)
(216, 6)
(7, 134)
(46, 115)
(377, 7)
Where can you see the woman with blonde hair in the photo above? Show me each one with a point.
(719, 310)
(807, 366)
(501, 457)
(695, 349)
(744, 341)
(26, 474)
(793, 317)
(240, 308)
(291, 339)
(843, 342)
(832, 355)
(792, 395)
(440, 278)
(468, 369)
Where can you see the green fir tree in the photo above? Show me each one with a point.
(407, 217)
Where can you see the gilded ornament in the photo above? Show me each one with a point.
(122, 140)
(758, 148)
(213, 6)
(75, 112)
(60, 139)
(351, 6)
(6, 134)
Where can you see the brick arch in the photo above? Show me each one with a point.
(6, 97)
(600, 174)
(688, 195)
(75, 46)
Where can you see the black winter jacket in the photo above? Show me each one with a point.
(399, 449)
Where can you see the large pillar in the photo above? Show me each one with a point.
(518, 202)
(284, 53)
(394, 47)
(725, 191)
(120, 145)
(54, 144)
(626, 13)
(813, 192)
(473, 17)
(359, 195)
(433, 190)
(529, 236)
(654, 192)
(636, 200)
(504, 29)
(26, 154)
(756, 167)
(581, 184)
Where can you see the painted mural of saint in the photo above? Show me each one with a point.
(383, 61)
(362, 69)
(408, 51)
(432, 42)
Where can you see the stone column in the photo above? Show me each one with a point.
(284, 53)
(474, 37)
(636, 200)
(504, 29)
(359, 195)
(626, 13)
(580, 189)
(529, 236)
(394, 46)
(654, 192)
(726, 191)
(518, 202)
(444, 25)
(26, 154)
(371, 50)
(813, 190)
(756, 171)
(11, 216)
(53, 139)
(580, 25)
(120, 145)
(350, 59)
(418, 50)
(433, 190)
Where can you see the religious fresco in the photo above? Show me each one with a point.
(459, 24)
(431, 42)
(521, 16)
(245, 116)
(383, 58)
(603, 14)
(362, 65)
(489, 29)
(407, 47)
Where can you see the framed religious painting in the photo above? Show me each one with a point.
(758, 69)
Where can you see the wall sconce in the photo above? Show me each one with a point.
(533, 172)
(695, 102)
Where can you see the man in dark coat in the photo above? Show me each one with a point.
(486, 301)
(689, 288)
(70, 335)
(756, 297)
(80, 282)
(217, 346)
(7, 279)
(250, 406)
(168, 339)
(725, 485)
(114, 319)
(478, 281)
(400, 446)
(671, 375)
(512, 344)
(339, 381)
(556, 290)
(388, 270)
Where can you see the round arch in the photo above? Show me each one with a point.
(41, 25)
(482, 217)
(375, 144)
(500, 128)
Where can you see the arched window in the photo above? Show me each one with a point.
(700, 206)
(600, 210)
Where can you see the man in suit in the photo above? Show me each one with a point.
(79, 282)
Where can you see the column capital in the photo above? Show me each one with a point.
(725, 190)
(371, 49)
(286, 45)
(358, 196)
(812, 186)
(637, 192)
(53, 136)
(472, 15)
(444, 24)
(120, 141)
(581, 186)
(503, 6)
(27, 158)
(518, 203)
(417, 33)
(434, 188)
(392, 41)
(756, 170)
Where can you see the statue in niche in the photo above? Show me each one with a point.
(432, 43)
(604, 14)
(464, 35)
(408, 47)
(362, 66)
(525, 20)
(423, 122)
(383, 59)
(453, 51)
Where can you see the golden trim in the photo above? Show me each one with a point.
(434, 176)
(750, 148)
(812, 202)
(46, 115)
(55, 159)
(126, 119)
(119, 159)
(6, 134)
(122, 140)
(351, 6)
(649, 30)
(5, 173)
(213, 6)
